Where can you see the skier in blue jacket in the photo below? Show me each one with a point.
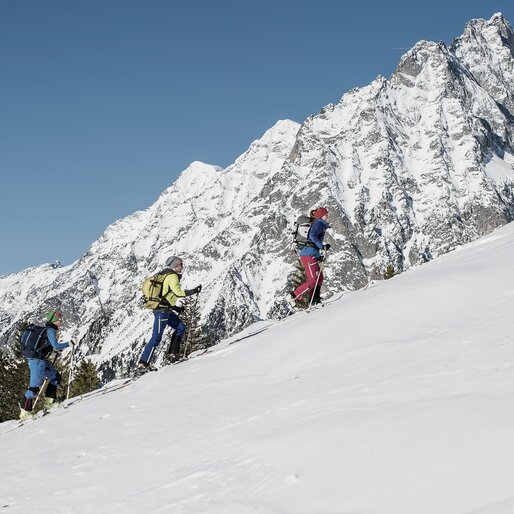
(310, 258)
(40, 368)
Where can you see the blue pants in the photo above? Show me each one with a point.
(39, 370)
(162, 319)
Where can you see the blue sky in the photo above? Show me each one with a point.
(104, 103)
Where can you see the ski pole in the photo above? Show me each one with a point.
(71, 369)
(41, 392)
(190, 328)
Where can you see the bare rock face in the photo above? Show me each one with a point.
(409, 168)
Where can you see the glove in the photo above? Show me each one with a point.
(178, 309)
(196, 290)
(327, 247)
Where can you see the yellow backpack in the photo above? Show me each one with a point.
(152, 291)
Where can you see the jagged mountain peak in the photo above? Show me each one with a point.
(492, 35)
(486, 49)
(428, 65)
(278, 131)
(199, 176)
(497, 21)
(196, 177)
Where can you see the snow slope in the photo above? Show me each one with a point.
(392, 400)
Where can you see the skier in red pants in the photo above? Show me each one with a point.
(310, 258)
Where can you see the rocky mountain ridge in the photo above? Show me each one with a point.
(410, 168)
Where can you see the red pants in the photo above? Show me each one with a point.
(312, 270)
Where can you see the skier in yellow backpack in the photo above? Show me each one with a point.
(165, 311)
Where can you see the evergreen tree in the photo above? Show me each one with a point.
(195, 337)
(14, 380)
(389, 272)
(85, 378)
(14, 377)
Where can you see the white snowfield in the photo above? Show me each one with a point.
(398, 399)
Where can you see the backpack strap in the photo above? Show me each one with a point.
(44, 342)
(309, 241)
(163, 303)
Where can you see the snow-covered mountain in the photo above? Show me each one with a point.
(410, 168)
(396, 399)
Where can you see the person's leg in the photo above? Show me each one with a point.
(37, 375)
(54, 378)
(316, 294)
(159, 324)
(179, 328)
(311, 267)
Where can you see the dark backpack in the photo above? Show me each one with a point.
(34, 342)
(302, 227)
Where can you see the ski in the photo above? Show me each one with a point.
(100, 392)
(42, 413)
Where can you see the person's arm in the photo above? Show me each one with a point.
(172, 283)
(53, 340)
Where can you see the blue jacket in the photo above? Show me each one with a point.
(316, 236)
(53, 339)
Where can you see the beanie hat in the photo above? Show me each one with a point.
(319, 213)
(54, 316)
(171, 262)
